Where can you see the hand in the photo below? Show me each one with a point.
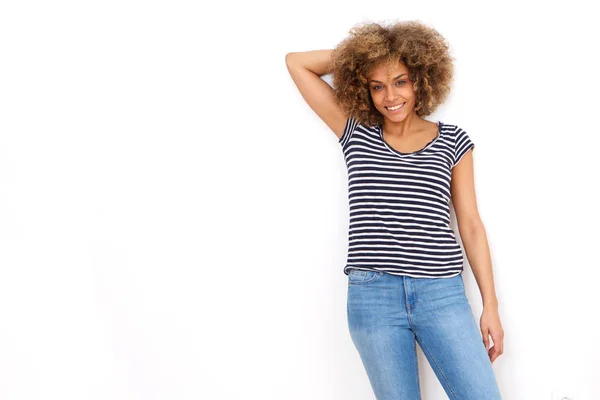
(490, 325)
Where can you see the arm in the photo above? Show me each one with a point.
(474, 238)
(316, 61)
(306, 69)
(471, 229)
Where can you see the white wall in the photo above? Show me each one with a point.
(173, 216)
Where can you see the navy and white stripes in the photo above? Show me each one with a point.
(399, 202)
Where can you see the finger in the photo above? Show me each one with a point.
(498, 342)
(486, 339)
(495, 353)
(491, 354)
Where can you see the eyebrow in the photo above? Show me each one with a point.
(373, 80)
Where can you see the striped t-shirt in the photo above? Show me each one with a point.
(400, 203)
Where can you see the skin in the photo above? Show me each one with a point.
(390, 84)
(407, 132)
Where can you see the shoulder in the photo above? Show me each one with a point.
(353, 122)
(447, 129)
(453, 132)
(353, 125)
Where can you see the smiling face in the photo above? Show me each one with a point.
(390, 86)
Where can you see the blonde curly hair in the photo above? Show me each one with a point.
(421, 48)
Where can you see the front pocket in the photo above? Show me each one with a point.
(359, 277)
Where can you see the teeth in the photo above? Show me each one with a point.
(394, 108)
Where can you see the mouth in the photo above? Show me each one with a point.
(395, 108)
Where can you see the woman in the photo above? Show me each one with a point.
(404, 263)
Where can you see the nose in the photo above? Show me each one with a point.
(390, 96)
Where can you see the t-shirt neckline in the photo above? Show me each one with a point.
(428, 145)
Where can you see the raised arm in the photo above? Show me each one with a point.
(306, 69)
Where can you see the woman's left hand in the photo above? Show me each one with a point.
(491, 325)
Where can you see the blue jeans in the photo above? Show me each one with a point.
(388, 313)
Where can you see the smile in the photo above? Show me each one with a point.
(394, 108)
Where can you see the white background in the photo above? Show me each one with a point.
(173, 216)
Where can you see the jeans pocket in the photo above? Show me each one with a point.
(361, 277)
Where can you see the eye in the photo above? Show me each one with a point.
(378, 86)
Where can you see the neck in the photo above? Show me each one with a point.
(404, 128)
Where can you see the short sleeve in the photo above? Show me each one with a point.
(351, 124)
(462, 144)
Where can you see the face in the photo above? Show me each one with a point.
(390, 86)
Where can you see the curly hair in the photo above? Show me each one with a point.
(421, 48)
